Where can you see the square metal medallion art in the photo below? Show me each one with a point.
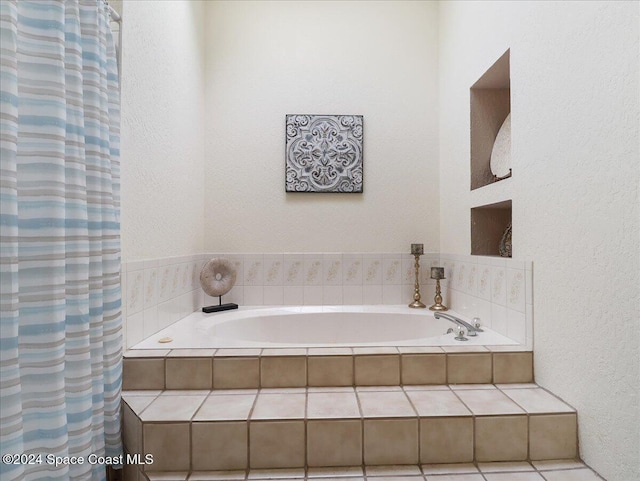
(324, 153)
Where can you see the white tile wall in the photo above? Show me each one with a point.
(499, 291)
(158, 292)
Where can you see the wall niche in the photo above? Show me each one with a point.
(490, 99)
(488, 224)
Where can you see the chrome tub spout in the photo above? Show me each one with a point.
(471, 330)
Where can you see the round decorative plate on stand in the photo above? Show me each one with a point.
(218, 276)
(501, 152)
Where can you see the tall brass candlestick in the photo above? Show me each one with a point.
(417, 250)
(437, 273)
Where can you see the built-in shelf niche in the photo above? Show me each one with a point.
(490, 105)
(488, 224)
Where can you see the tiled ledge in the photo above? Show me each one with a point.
(318, 367)
(317, 427)
(557, 470)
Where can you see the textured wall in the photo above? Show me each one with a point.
(162, 129)
(575, 134)
(268, 59)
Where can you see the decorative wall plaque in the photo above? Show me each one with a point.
(324, 153)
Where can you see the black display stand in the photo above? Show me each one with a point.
(220, 306)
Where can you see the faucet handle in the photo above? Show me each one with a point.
(477, 325)
(460, 334)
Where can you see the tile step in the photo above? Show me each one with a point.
(317, 367)
(321, 427)
(556, 470)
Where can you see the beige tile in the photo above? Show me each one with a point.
(538, 401)
(398, 477)
(469, 368)
(169, 476)
(433, 387)
(360, 351)
(131, 431)
(330, 351)
(236, 373)
(572, 475)
(377, 370)
(279, 406)
(509, 348)
(144, 392)
(283, 371)
(332, 405)
(437, 404)
(172, 408)
(217, 475)
(424, 369)
(226, 392)
(138, 403)
(311, 390)
(501, 438)
(143, 374)
(339, 472)
(513, 477)
(525, 385)
(390, 441)
(169, 444)
(284, 352)
(219, 446)
(485, 402)
(186, 392)
(393, 470)
(557, 464)
(420, 350)
(553, 436)
(283, 390)
(130, 472)
(278, 474)
(458, 468)
(514, 367)
(330, 371)
(378, 388)
(238, 352)
(463, 387)
(465, 349)
(446, 440)
(231, 407)
(456, 477)
(133, 353)
(334, 443)
(189, 373)
(385, 404)
(192, 353)
(510, 466)
(278, 444)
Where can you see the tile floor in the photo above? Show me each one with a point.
(558, 470)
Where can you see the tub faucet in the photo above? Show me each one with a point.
(471, 330)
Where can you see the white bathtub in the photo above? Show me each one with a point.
(315, 326)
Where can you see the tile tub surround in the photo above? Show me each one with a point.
(306, 427)
(323, 367)
(158, 292)
(497, 290)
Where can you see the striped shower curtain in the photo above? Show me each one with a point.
(60, 330)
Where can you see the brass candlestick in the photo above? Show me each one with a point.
(437, 273)
(417, 250)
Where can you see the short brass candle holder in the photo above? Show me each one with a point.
(437, 273)
(417, 250)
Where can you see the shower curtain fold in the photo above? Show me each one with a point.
(60, 328)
